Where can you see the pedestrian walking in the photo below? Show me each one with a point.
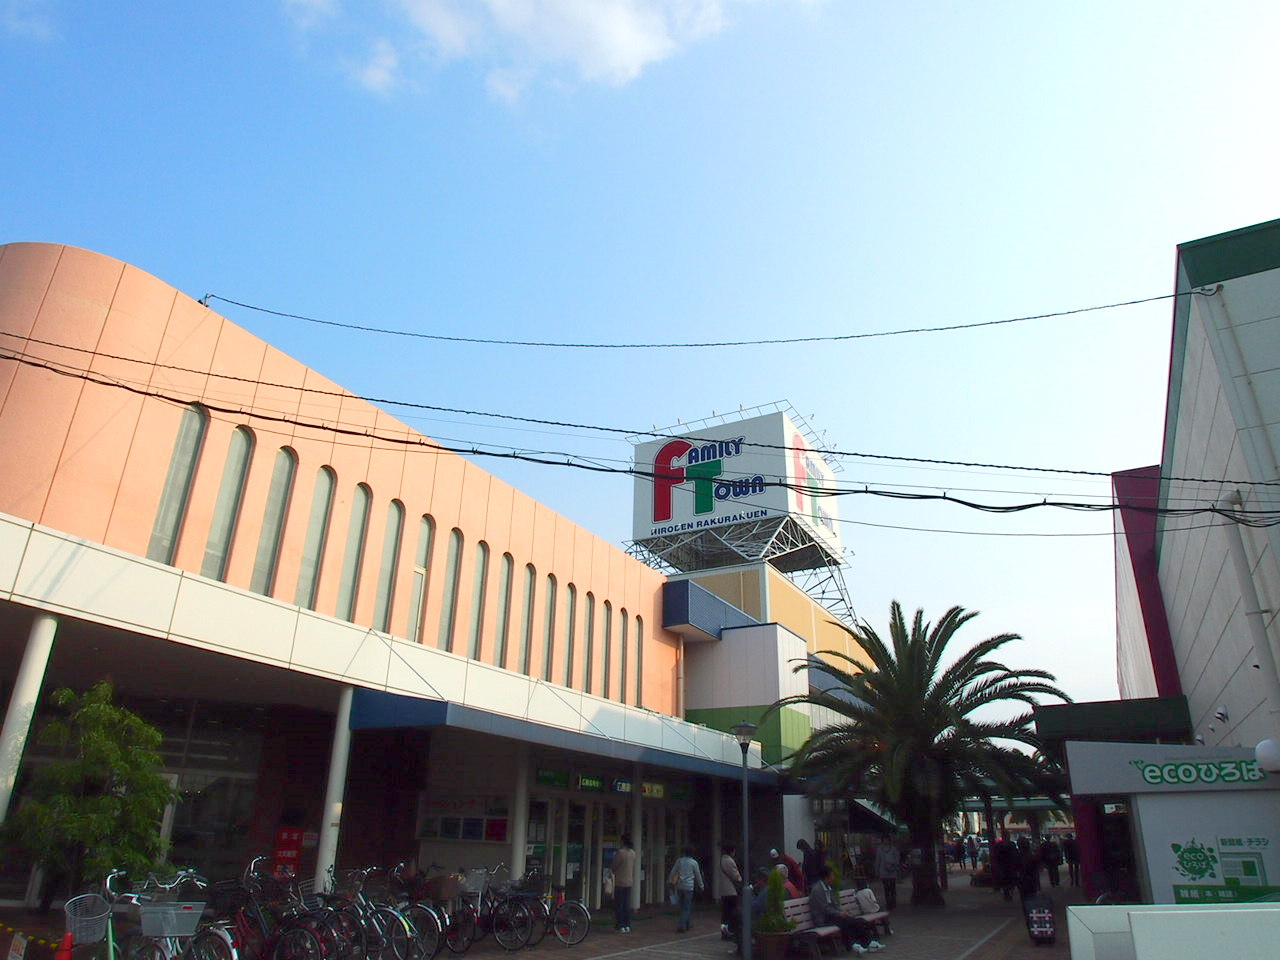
(1071, 853)
(623, 871)
(971, 847)
(1051, 857)
(685, 877)
(730, 885)
(888, 862)
(811, 862)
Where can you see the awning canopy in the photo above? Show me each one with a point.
(379, 710)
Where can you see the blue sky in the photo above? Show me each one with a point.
(674, 170)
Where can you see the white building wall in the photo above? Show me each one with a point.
(748, 666)
(1133, 656)
(1227, 417)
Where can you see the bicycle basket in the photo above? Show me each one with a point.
(178, 918)
(87, 917)
(474, 880)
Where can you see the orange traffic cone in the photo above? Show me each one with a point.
(64, 949)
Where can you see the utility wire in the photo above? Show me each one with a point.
(630, 432)
(832, 338)
(1245, 517)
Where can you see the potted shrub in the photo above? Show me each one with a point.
(772, 929)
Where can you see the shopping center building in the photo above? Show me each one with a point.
(359, 646)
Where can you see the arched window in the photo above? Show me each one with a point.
(549, 639)
(607, 659)
(421, 572)
(317, 536)
(622, 655)
(526, 619)
(452, 571)
(278, 494)
(639, 661)
(570, 617)
(226, 509)
(505, 575)
(176, 493)
(387, 569)
(353, 558)
(478, 592)
(588, 641)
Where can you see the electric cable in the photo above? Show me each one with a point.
(774, 341)
(1244, 517)
(629, 432)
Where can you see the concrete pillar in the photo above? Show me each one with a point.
(637, 832)
(717, 837)
(590, 856)
(340, 753)
(22, 704)
(519, 819)
(562, 865)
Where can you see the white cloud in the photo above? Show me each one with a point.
(28, 18)
(516, 43)
(308, 13)
(378, 72)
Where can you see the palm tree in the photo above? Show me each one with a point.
(906, 736)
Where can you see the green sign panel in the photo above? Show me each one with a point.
(553, 778)
(590, 783)
(1211, 771)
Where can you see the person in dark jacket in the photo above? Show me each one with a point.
(810, 862)
(824, 906)
(1051, 857)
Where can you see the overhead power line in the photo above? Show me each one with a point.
(632, 432)
(1245, 517)
(773, 341)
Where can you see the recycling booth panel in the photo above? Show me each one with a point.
(1205, 820)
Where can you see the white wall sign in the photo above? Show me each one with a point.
(1133, 768)
(749, 470)
(1203, 849)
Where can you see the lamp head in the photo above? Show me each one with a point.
(745, 732)
(1267, 753)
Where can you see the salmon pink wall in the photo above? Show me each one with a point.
(90, 456)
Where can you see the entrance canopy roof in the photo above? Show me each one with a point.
(377, 709)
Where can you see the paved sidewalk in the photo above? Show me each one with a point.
(976, 924)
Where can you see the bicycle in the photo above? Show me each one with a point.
(568, 919)
(171, 929)
(428, 923)
(269, 923)
(494, 909)
(389, 935)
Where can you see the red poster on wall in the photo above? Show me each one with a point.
(287, 849)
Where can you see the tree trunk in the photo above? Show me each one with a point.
(925, 891)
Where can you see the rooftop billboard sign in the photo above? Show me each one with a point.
(758, 469)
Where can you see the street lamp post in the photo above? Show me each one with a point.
(745, 730)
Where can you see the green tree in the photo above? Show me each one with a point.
(99, 806)
(905, 735)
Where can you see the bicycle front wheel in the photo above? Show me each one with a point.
(461, 930)
(209, 945)
(296, 943)
(512, 924)
(571, 922)
(396, 937)
(541, 917)
(427, 935)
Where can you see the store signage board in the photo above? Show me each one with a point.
(1139, 768)
(1202, 850)
(739, 472)
(590, 783)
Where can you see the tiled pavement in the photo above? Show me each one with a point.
(976, 924)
